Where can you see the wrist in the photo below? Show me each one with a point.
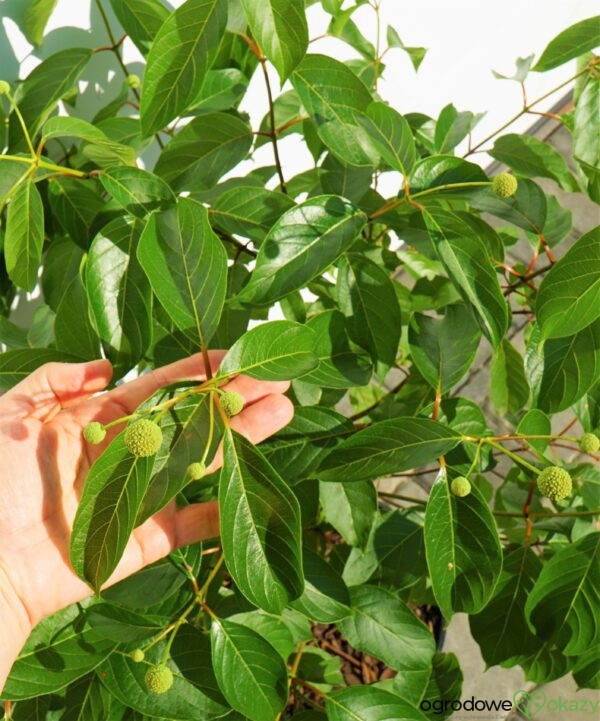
(15, 627)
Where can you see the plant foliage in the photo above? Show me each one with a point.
(150, 243)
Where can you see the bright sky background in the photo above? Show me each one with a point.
(466, 40)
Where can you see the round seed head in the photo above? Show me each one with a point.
(196, 470)
(158, 679)
(4, 87)
(94, 432)
(460, 486)
(589, 443)
(143, 438)
(138, 655)
(504, 185)
(554, 483)
(231, 403)
(133, 81)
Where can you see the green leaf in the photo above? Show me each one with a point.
(222, 89)
(119, 293)
(250, 672)
(24, 237)
(562, 370)
(105, 518)
(186, 265)
(368, 299)
(41, 330)
(43, 88)
(365, 703)
(100, 148)
(204, 150)
(59, 650)
(278, 350)
(35, 18)
(88, 700)
(391, 135)
(569, 296)
(16, 365)
(332, 94)
(272, 628)
(141, 20)
(526, 209)
(299, 447)
(416, 54)
(463, 549)
(535, 423)
(319, 666)
(562, 606)
(75, 204)
(12, 335)
(249, 211)
(442, 681)
(343, 27)
(436, 171)
(570, 43)
(280, 28)
(509, 389)
(392, 446)
(383, 626)
(586, 136)
(194, 693)
(522, 70)
(339, 366)
(350, 508)
(533, 157)
(73, 328)
(444, 349)
(260, 527)
(469, 267)
(137, 190)
(182, 52)
(452, 127)
(303, 243)
(501, 629)
(325, 598)
(349, 181)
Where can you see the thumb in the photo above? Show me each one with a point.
(55, 386)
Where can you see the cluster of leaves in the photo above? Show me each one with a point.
(147, 266)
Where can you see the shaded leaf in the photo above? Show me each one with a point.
(369, 704)
(141, 20)
(509, 390)
(391, 135)
(24, 237)
(137, 190)
(16, 365)
(350, 508)
(325, 597)
(204, 150)
(35, 18)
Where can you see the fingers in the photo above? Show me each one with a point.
(259, 421)
(252, 390)
(54, 386)
(130, 395)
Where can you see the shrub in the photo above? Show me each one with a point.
(148, 265)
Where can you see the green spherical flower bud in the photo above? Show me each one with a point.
(138, 655)
(195, 471)
(94, 432)
(460, 486)
(504, 185)
(133, 81)
(589, 443)
(554, 483)
(143, 438)
(158, 679)
(231, 403)
(4, 87)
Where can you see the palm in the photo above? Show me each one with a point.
(45, 462)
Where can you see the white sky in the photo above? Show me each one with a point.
(466, 40)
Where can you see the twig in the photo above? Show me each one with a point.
(263, 64)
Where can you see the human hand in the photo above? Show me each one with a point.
(44, 464)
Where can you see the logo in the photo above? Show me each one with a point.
(529, 703)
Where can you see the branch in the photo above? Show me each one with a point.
(263, 64)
